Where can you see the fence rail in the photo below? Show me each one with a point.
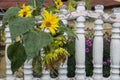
(81, 15)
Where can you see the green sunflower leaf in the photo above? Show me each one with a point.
(34, 41)
(10, 15)
(16, 54)
(36, 3)
(67, 30)
(20, 26)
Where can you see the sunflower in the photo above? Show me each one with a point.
(50, 22)
(58, 3)
(25, 11)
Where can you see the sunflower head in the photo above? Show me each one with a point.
(25, 11)
(50, 22)
(58, 3)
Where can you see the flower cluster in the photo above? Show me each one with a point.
(89, 55)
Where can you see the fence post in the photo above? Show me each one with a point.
(80, 44)
(63, 68)
(45, 73)
(28, 73)
(98, 46)
(9, 75)
(80, 49)
(98, 50)
(115, 48)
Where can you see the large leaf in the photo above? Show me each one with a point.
(16, 54)
(34, 41)
(20, 26)
(10, 14)
(36, 3)
(67, 30)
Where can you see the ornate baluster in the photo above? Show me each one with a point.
(46, 74)
(28, 74)
(98, 46)
(80, 45)
(115, 48)
(63, 68)
(99, 8)
(9, 75)
(80, 49)
(98, 50)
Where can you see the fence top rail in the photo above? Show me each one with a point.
(110, 18)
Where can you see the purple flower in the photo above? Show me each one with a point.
(108, 61)
(104, 63)
(87, 50)
(89, 43)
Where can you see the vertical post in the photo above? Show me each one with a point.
(98, 50)
(80, 44)
(63, 68)
(28, 74)
(9, 75)
(98, 46)
(46, 74)
(80, 49)
(115, 49)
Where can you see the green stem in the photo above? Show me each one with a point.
(35, 4)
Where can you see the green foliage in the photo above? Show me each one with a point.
(10, 15)
(16, 54)
(36, 3)
(28, 38)
(20, 26)
(88, 4)
(70, 47)
(37, 65)
(34, 41)
(71, 5)
(66, 29)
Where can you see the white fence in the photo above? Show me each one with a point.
(80, 14)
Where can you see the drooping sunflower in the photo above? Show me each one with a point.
(25, 11)
(58, 3)
(50, 22)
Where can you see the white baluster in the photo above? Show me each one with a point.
(63, 68)
(98, 46)
(28, 73)
(115, 48)
(80, 49)
(81, 6)
(80, 45)
(98, 50)
(46, 73)
(99, 8)
(9, 75)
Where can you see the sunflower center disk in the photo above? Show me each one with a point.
(48, 24)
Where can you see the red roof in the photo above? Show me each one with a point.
(4, 4)
(105, 2)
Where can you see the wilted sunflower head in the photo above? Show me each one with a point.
(58, 3)
(50, 22)
(25, 11)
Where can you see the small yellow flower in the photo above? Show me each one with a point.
(58, 3)
(50, 22)
(25, 11)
